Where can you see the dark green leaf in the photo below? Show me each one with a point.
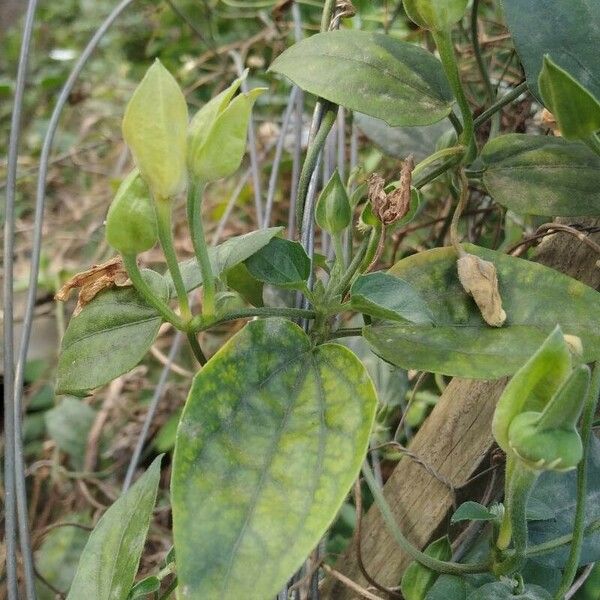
(449, 587)
(144, 587)
(559, 491)
(111, 556)
(69, 425)
(224, 256)
(281, 262)
(472, 511)
(538, 510)
(461, 344)
(164, 441)
(372, 73)
(501, 591)
(591, 588)
(239, 279)
(387, 297)
(565, 30)
(108, 338)
(417, 579)
(272, 436)
(574, 108)
(542, 175)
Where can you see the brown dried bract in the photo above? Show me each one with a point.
(479, 279)
(93, 281)
(548, 120)
(391, 207)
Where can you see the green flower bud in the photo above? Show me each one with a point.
(155, 129)
(131, 219)
(217, 134)
(333, 213)
(576, 111)
(437, 15)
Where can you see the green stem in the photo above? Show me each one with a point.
(460, 207)
(500, 103)
(201, 323)
(454, 154)
(483, 70)
(194, 212)
(312, 157)
(434, 564)
(355, 264)
(196, 349)
(165, 235)
(140, 284)
(443, 41)
(519, 489)
(563, 540)
(327, 14)
(589, 411)
(338, 246)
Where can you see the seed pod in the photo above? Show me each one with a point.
(131, 220)
(479, 279)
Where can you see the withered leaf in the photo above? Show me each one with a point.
(479, 279)
(92, 281)
(391, 207)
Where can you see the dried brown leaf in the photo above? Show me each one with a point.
(391, 207)
(92, 281)
(479, 279)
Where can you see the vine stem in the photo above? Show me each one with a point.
(201, 323)
(460, 207)
(500, 104)
(165, 235)
(194, 213)
(562, 540)
(147, 293)
(312, 158)
(440, 566)
(443, 41)
(589, 411)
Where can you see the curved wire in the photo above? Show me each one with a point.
(10, 414)
(21, 494)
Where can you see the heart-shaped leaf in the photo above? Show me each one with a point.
(372, 73)
(449, 587)
(417, 579)
(461, 344)
(501, 591)
(272, 436)
(112, 554)
(384, 296)
(564, 30)
(108, 338)
(542, 175)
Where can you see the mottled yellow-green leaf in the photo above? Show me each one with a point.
(272, 436)
(155, 129)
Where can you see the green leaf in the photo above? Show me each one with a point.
(461, 344)
(221, 152)
(384, 296)
(542, 175)
(164, 440)
(69, 425)
(417, 579)
(575, 109)
(559, 490)
(112, 554)
(591, 588)
(281, 262)
(57, 557)
(538, 510)
(472, 511)
(501, 591)
(273, 434)
(239, 279)
(155, 129)
(449, 587)
(144, 588)
(108, 338)
(333, 213)
(565, 30)
(224, 256)
(437, 15)
(402, 141)
(371, 73)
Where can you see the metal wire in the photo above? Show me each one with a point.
(156, 397)
(12, 416)
(19, 467)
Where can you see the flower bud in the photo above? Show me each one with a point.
(437, 15)
(333, 213)
(131, 219)
(155, 129)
